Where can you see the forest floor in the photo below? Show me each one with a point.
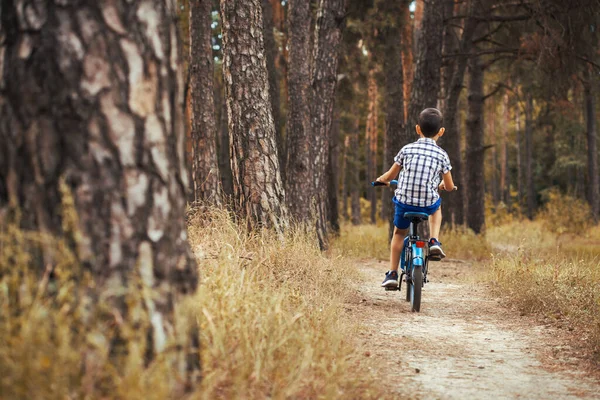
(465, 343)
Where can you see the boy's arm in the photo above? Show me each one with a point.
(448, 183)
(390, 174)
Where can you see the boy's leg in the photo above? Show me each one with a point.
(396, 247)
(435, 223)
(391, 277)
(435, 247)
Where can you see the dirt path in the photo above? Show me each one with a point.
(463, 344)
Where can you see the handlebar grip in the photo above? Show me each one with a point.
(377, 183)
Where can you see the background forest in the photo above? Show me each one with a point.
(185, 199)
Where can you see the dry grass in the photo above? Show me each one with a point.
(270, 316)
(270, 311)
(551, 266)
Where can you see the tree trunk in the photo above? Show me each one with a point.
(355, 163)
(205, 168)
(406, 41)
(519, 156)
(452, 210)
(258, 189)
(371, 142)
(271, 54)
(529, 156)
(223, 136)
(345, 175)
(491, 123)
(91, 109)
(505, 171)
(393, 38)
(593, 182)
(333, 186)
(426, 83)
(328, 37)
(475, 148)
(299, 130)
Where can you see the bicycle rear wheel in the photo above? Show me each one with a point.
(408, 287)
(415, 288)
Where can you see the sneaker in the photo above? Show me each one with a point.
(391, 279)
(435, 249)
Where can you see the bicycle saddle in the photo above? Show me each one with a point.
(416, 215)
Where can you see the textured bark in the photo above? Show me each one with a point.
(299, 129)
(258, 189)
(333, 186)
(529, 156)
(519, 156)
(354, 161)
(344, 178)
(491, 128)
(395, 43)
(371, 141)
(475, 149)
(91, 107)
(453, 211)
(327, 40)
(407, 55)
(223, 137)
(426, 83)
(205, 168)
(271, 54)
(592, 157)
(504, 167)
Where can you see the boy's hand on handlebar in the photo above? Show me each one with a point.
(379, 182)
(443, 187)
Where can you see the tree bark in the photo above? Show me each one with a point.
(491, 123)
(258, 189)
(223, 136)
(475, 148)
(344, 179)
(395, 45)
(406, 41)
(328, 37)
(354, 161)
(453, 202)
(333, 175)
(590, 116)
(426, 83)
(91, 111)
(519, 156)
(371, 141)
(529, 156)
(505, 171)
(271, 54)
(205, 168)
(299, 130)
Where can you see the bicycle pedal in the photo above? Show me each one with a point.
(435, 258)
(391, 289)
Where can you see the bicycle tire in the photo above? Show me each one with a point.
(408, 288)
(408, 268)
(416, 287)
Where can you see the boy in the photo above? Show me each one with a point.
(424, 169)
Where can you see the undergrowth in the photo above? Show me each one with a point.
(270, 311)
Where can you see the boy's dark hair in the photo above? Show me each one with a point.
(430, 121)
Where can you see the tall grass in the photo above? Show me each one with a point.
(270, 311)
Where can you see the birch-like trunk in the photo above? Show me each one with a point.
(91, 108)
(258, 189)
(529, 156)
(371, 141)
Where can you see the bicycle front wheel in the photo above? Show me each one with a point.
(415, 288)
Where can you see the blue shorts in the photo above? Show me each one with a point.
(402, 223)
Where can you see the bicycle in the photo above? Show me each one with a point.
(415, 254)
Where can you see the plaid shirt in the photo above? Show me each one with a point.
(423, 163)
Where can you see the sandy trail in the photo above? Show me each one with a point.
(463, 344)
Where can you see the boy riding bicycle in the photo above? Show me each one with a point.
(424, 168)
